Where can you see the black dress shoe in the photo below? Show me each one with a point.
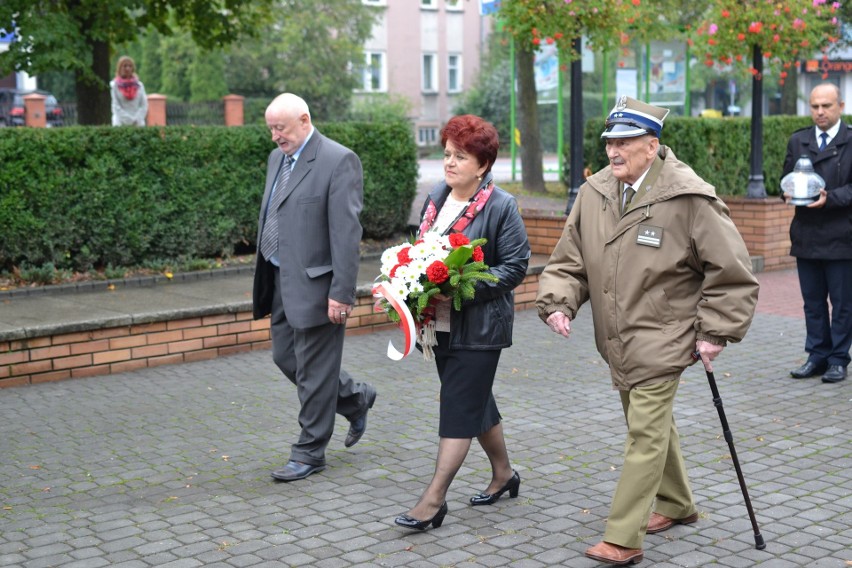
(414, 524)
(358, 426)
(835, 374)
(809, 369)
(296, 470)
(512, 486)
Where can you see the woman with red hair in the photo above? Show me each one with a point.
(469, 341)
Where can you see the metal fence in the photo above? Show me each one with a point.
(177, 113)
(195, 114)
(69, 113)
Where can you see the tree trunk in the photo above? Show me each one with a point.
(93, 100)
(790, 93)
(532, 171)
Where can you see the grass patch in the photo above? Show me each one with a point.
(553, 189)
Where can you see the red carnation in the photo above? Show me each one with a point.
(459, 239)
(437, 272)
(478, 255)
(402, 256)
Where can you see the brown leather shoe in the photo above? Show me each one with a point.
(659, 523)
(609, 553)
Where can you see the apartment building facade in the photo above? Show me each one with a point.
(429, 52)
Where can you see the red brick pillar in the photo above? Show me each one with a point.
(764, 225)
(233, 110)
(156, 110)
(34, 113)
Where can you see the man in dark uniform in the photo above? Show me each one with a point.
(821, 237)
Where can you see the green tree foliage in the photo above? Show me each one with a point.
(490, 95)
(79, 36)
(313, 48)
(323, 37)
(177, 53)
(150, 61)
(207, 77)
(607, 24)
(380, 107)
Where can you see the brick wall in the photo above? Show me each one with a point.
(763, 223)
(127, 348)
(543, 231)
(765, 227)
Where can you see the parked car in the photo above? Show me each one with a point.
(12, 108)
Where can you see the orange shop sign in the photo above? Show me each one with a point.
(828, 66)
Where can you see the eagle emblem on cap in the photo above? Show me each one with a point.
(622, 103)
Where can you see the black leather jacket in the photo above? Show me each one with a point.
(486, 321)
(824, 233)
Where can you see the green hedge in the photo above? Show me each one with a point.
(718, 149)
(83, 197)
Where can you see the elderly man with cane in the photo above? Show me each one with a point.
(653, 249)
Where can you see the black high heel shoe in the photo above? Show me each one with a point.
(414, 524)
(512, 486)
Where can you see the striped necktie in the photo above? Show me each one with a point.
(269, 236)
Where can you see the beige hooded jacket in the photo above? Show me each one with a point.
(672, 269)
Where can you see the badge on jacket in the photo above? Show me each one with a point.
(649, 235)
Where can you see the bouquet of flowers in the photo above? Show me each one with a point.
(412, 274)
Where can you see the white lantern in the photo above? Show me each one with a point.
(803, 183)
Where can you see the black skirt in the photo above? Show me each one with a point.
(468, 408)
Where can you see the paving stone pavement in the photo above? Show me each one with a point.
(170, 466)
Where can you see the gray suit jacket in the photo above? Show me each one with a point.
(319, 233)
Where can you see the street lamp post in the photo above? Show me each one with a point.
(576, 133)
(756, 187)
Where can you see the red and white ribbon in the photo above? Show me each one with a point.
(406, 320)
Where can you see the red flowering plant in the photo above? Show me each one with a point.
(606, 24)
(434, 264)
(785, 32)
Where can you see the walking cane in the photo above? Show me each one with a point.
(717, 400)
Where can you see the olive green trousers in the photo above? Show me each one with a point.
(653, 465)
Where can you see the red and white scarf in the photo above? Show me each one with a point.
(476, 205)
(128, 87)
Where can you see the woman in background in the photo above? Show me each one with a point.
(129, 101)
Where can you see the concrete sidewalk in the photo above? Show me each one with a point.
(169, 466)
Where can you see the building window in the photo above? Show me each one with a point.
(454, 76)
(430, 73)
(427, 136)
(429, 4)
(374, 72)
(455, 5)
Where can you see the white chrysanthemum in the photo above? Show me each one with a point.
(407, 274)
(389, 258)
(420, 265)
(400, 289)
(431, 245)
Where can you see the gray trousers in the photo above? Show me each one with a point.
(311, 359)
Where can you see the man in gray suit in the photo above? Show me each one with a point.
(307, 263)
